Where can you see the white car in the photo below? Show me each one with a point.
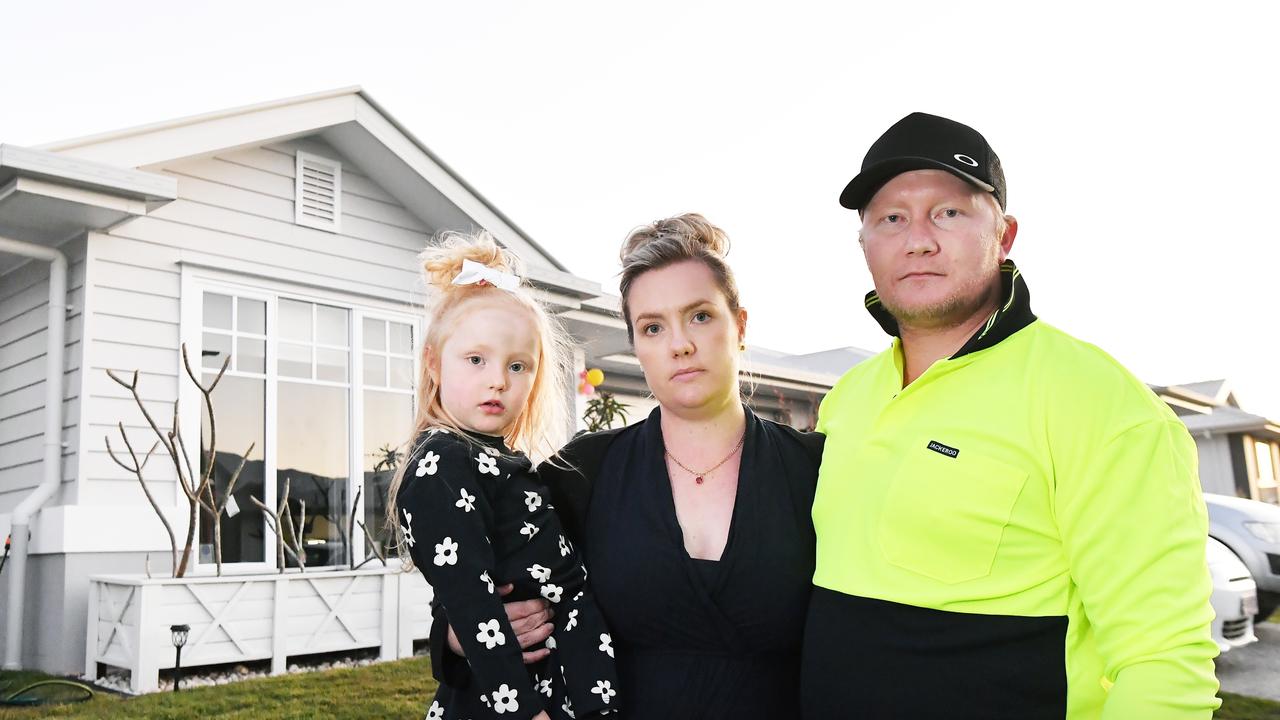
(1234, 599)
(1251, 529)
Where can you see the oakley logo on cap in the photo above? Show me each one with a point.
(965, 159)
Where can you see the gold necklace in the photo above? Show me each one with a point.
(699, 477)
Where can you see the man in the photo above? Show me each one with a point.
(1009, 523)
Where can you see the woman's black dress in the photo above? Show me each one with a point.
(693, 639)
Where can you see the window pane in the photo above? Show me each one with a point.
(217, 311)
(1262, 453)
(331, 326)
(251, 355)
(388, 419)
(375, 370)
(401, 338)
(295, 360)
(238, 405)
(375, 334)
(251, 316)
(331, 365)
(295, 320)
(401, 373)
(216, 349)
(312, 437)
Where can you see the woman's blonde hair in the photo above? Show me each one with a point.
(543, 423)
(669, 241)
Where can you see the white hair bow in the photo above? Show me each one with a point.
(473, 272)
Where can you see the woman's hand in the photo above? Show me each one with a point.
(530, 621)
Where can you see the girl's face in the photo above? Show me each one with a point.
(686, 337)
(487, 365)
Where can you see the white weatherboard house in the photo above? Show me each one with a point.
(284, 236)
(1239, 451)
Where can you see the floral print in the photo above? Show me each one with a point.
(605, 690)
(552, 592)
(446, 552)
(504, 700)
(466, 502)
(532, 500)
(454, 502)
(428, 464)
(490, 635)
(487, 464)
(407, 529)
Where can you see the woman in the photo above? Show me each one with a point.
(695, 522)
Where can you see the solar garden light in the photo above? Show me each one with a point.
(179, 633)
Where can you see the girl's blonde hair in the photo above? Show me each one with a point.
(543, 423)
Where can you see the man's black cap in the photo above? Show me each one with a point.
(921, 141)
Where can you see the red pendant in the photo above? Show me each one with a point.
(698, 479)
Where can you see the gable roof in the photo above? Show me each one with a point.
(347, 118)
(1232, 420)
(1210, 407)
(1219, 390)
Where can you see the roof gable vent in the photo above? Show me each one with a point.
(318, 192)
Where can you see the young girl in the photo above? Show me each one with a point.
(470, 510)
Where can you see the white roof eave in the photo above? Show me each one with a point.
(86, 174)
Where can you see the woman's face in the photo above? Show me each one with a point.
(686, 338)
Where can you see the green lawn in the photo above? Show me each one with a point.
(387, 690)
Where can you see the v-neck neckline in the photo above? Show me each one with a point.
(668, 492)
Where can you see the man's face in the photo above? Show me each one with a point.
(934, 247)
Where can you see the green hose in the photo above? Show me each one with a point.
(49, 692)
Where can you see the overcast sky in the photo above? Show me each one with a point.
(1140, 145)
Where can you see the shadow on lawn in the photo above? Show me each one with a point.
(387, 690)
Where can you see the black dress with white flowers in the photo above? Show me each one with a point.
(474, 516)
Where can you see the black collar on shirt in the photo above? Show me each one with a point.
(494, 441)
(490, 441)
(1013, 315)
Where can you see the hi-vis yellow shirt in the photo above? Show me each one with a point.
(1029, 476)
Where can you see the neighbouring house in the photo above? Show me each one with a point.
(282, 235)
(1239, 451)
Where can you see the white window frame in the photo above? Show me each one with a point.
(197, 280)
(1264, 451)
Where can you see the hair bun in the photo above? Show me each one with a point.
(442, 260)
(689, 228)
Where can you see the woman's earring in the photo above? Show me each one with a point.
(742, 347)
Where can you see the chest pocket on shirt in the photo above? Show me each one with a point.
(943, 517)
